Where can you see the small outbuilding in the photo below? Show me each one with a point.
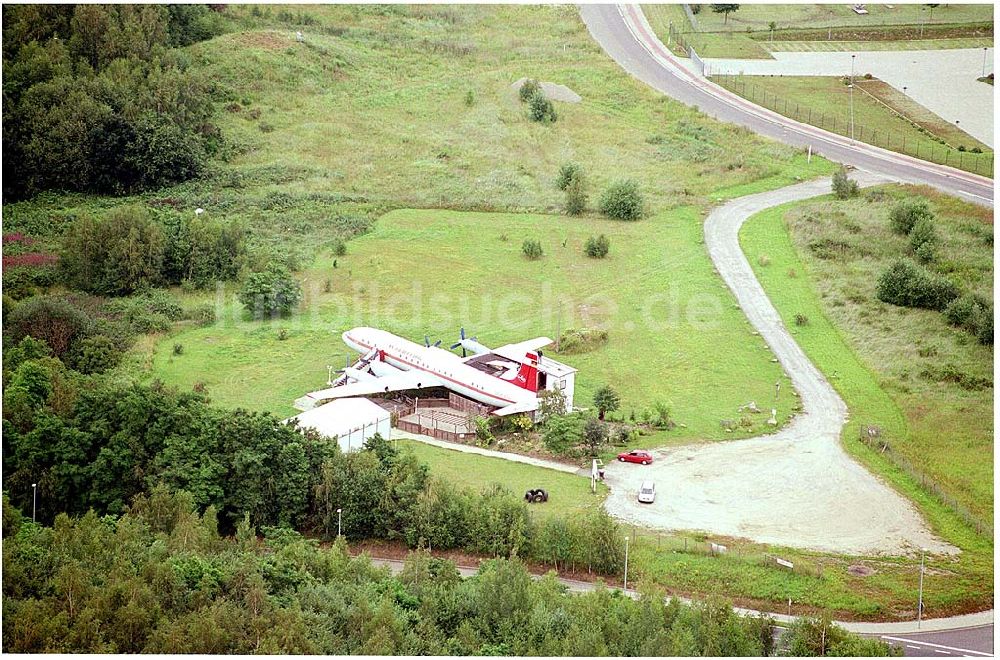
(351, 421)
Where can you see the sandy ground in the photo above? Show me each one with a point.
(943, 81)
(795, 488)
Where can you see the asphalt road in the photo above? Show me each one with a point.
(622, 31)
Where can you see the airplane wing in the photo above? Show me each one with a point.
(517, 351)
(523, 406)
(405, 380)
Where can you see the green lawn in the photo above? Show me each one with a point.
(569, 494)
(657, 294)
(825, 102)
(759, 16)
(853, 46)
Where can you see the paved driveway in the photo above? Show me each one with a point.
(943, 81)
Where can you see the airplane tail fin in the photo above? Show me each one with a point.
(527, 375)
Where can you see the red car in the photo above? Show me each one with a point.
(636, 456)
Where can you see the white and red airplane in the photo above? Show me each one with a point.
(390, 364)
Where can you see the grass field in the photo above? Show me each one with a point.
(758, 17)
(569, 494)
(657, 295)
(912, 44)
(747, 34)
(879, 111)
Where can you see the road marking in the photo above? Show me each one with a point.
(935, 646)
(940, 651)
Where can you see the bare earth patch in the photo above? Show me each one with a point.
(553, 91)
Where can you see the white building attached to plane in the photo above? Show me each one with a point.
(350, 421)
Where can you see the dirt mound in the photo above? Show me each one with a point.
(552, 91)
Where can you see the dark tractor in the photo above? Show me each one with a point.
(536, 495)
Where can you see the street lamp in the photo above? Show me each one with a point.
(920, 595)
(984, 60)
(626, 563)
(851, 87)
(34, 500)
(338, 522)
(329, 375)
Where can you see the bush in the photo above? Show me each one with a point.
(52, 320)
(203, 314)
(582, 340)
(974, 314)
(272, 292)
(532, 249)
(563, 432)
(94, 355)
(801, 319)
(529, 89)
(843, 186)
(623, 201)
(566, 174)
(576, 195)
(904, 215)
(597, 247)
(922, 233)
(907, 284)
(541, 109)
(594, 435)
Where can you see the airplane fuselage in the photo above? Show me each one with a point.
(443, 366)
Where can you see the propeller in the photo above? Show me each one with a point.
(428, 344)
(461, 341)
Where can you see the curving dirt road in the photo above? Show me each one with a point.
(796, 488)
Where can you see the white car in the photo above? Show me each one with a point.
(647, 492)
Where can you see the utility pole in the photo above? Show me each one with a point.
(626, 564)
(985, 49)
(338, 522)
(34, 500)
(851, 87)
(920, 595)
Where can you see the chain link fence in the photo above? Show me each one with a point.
(926, 149)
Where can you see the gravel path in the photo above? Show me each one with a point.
(795, 488)
(507, 456)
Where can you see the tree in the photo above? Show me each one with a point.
(272, 292)
(606, 400)
(576, 194)
(725, 10)
(562, 432)
(595, 435)
(551, 403)
(566, 174)
(843, 186)
(623, 201)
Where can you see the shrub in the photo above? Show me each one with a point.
(203, 314)
(49, 319)
(904, 215)
(576, 195)
(178, 349)
(582, 340)
(801, 319)
(94, 355)
(562, 432)
(623, 201)
(541, 109)
(529, 89)
(597, 247)
(974, 314)
(470, 98)
(339, 247)
(532, 249)
(271, 292)
(907, 284)
(923, 234)
(566, 174)
(551, 403)
(843, 186)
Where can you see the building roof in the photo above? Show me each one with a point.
(341, 416)
(553, 368)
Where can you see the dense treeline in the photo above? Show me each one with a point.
(92, 444)
(97, 97)
(159, 579)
